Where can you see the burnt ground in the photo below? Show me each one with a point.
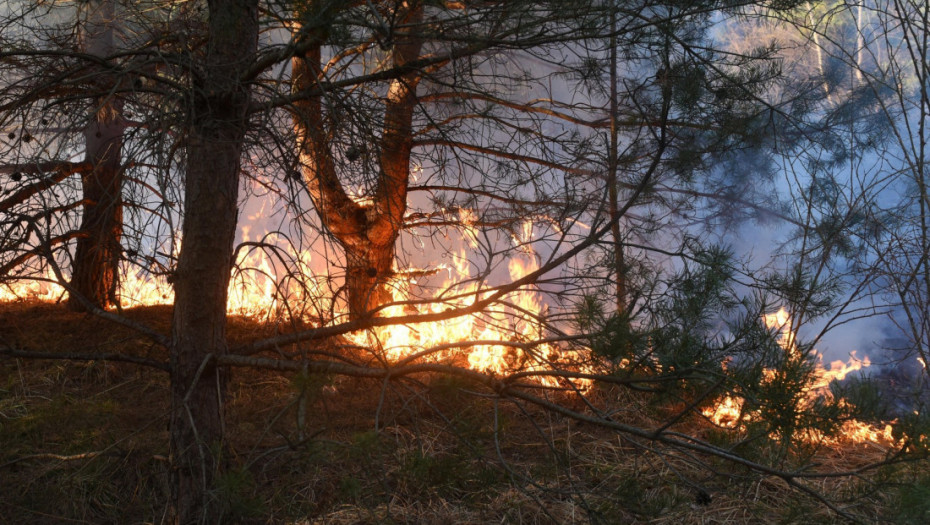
(87, 442)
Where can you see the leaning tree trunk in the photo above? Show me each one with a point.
(367, 233)
(215, 140)
(96, 260)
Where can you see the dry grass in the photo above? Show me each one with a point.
(87, 443)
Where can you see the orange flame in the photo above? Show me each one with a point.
(506, 336)
(729, 411)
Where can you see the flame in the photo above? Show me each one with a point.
(839, 370)
(729, 412)
(497, 341)
(507, 334)
(781, 321)
(507, 338)
(42, 287)
(257, 288)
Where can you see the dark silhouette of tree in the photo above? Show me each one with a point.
(79, 81)
(217, 123)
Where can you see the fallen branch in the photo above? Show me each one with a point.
(59, 457)
(77, 356)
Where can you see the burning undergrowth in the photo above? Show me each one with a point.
(445, 392)
(317, 448)
(455, 314)
(279, 284)
(733, 412)
(509, 339)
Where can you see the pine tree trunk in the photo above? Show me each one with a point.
(369, 269)
(214, 148)
(613, 167)
(96, 260)
(366, 233)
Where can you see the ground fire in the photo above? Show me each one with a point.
(729, 411)
(507, 339)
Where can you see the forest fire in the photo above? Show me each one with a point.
(729, 412)
(436, 253)
(500, 339)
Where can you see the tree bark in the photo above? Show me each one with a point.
(218, 117)
(95, 272)
(612, 168)
(366, 232)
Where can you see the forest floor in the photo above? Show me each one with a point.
(87, 442)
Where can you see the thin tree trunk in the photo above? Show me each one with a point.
(612, 168)
(860, 43)
(922, 71)
(219, 120)
(815, 28)
(96, 262)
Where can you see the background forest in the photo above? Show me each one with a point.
(430, 261)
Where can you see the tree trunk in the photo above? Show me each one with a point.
(369, 269)
(612, 168)
(366, 233)
(95, 272)
(96, 260)
(215, 141)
